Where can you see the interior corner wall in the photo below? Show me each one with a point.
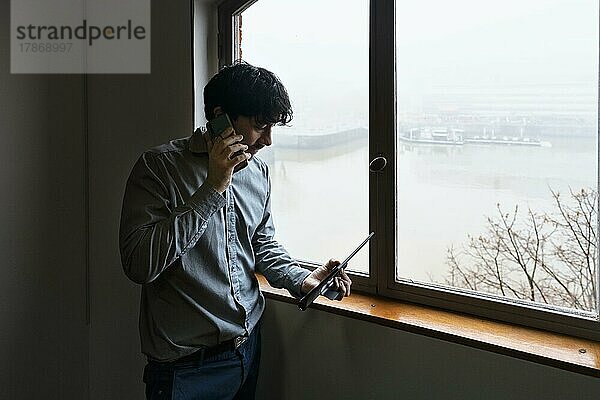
(44, 337)
(206, 62)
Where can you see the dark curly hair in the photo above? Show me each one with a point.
(243, 89)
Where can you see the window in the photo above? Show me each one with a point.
(319, 163)
(487, 117)
(490, 123)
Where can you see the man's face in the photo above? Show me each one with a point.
(256, 136)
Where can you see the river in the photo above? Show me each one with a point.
(320, 196)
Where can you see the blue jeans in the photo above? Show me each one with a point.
(229, 375)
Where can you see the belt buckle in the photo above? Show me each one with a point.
(238, 341)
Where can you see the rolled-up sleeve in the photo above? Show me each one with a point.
(272, 260)
(153, 234)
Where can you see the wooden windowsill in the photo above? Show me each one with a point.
(552, 349)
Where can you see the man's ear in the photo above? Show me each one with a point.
(217, 111)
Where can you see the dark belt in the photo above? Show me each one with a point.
(208, 352)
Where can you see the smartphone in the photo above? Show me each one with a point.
(217, 126)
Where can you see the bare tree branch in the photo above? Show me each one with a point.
(547, 256)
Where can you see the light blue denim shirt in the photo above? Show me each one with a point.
(194, 250)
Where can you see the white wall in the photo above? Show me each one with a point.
(367, 361)
(43, 334)
(205, 52)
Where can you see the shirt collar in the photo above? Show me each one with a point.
(197, 142)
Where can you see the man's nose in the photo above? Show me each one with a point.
(265, 138)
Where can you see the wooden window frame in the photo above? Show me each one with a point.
(382, 192)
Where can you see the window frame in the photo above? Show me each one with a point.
(382, 192)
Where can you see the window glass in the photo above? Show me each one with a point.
(319, 165)
(497, 172)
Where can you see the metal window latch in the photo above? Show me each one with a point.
(377, 164)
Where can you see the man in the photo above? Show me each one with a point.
(193, 233)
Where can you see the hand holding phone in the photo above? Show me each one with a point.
(225, 152)
(223, 127)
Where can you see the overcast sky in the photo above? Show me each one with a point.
(320, 48)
